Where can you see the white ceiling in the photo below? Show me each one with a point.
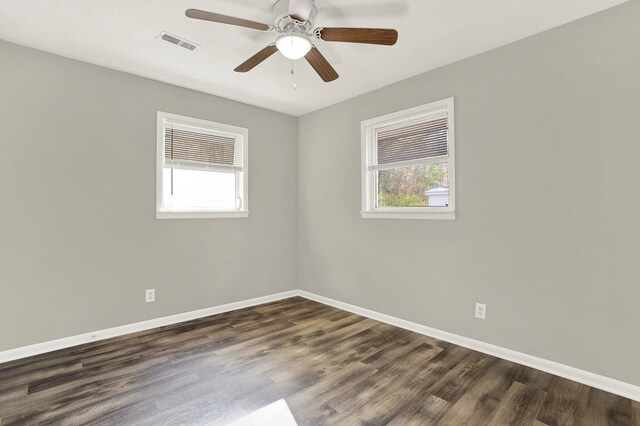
(121, 34)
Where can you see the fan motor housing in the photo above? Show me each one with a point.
(285, 23)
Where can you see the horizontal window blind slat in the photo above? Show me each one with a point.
(415, 128)
(197, 165)
(203, 148)
(410, 163)
(437, 134)
(412, 142)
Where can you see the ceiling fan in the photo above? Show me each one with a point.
(294, 23)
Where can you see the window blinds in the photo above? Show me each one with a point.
(200, 149)
(416, 141)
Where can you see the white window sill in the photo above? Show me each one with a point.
(437, 215)
(201, 214)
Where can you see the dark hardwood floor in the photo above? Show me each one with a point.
(331, 367)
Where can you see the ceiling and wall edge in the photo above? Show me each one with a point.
(432, 35)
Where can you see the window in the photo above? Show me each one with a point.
(408, 164)
(202, 169)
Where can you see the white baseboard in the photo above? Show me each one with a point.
(66, 342)
(581, 376)
(617, 387)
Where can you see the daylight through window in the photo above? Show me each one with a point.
(408, 163)
(202, 168)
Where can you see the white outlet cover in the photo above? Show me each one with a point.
(481, 311)
(150, 295)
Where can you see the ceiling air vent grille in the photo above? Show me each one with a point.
(173, 39)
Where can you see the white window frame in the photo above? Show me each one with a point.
(370, 168)
(242, 185)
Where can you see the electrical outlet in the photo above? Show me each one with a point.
(481, 311)
(150, 295)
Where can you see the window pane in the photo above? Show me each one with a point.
(416, 186)
(196, 189)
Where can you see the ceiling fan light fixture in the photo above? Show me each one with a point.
(293, 46)
(294, 22)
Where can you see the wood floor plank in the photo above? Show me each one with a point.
(427, 412)
(604, 408)
(451, 356)
(458, 380)
(322, 415)
(317, 396)
(332, 367)
(408, 390)
(286, 336)
(519, 406)
(9, 380)
(324, 362)
(397, 384)
(226, 393)
(635, 413)
(11, 395)
(534, 378)
(90, 406)
(479, 402)
(565, 403)
(52, 390)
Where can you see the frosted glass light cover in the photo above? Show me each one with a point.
(293, 46)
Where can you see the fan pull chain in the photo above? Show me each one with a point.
(293, 74)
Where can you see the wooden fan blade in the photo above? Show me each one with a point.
(359, 35)
(321, 65)
(300, 9)
(251, 63)
(224, 19)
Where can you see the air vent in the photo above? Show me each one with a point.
(173, 39)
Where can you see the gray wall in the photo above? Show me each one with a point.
(79, 241)
(547, 230)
